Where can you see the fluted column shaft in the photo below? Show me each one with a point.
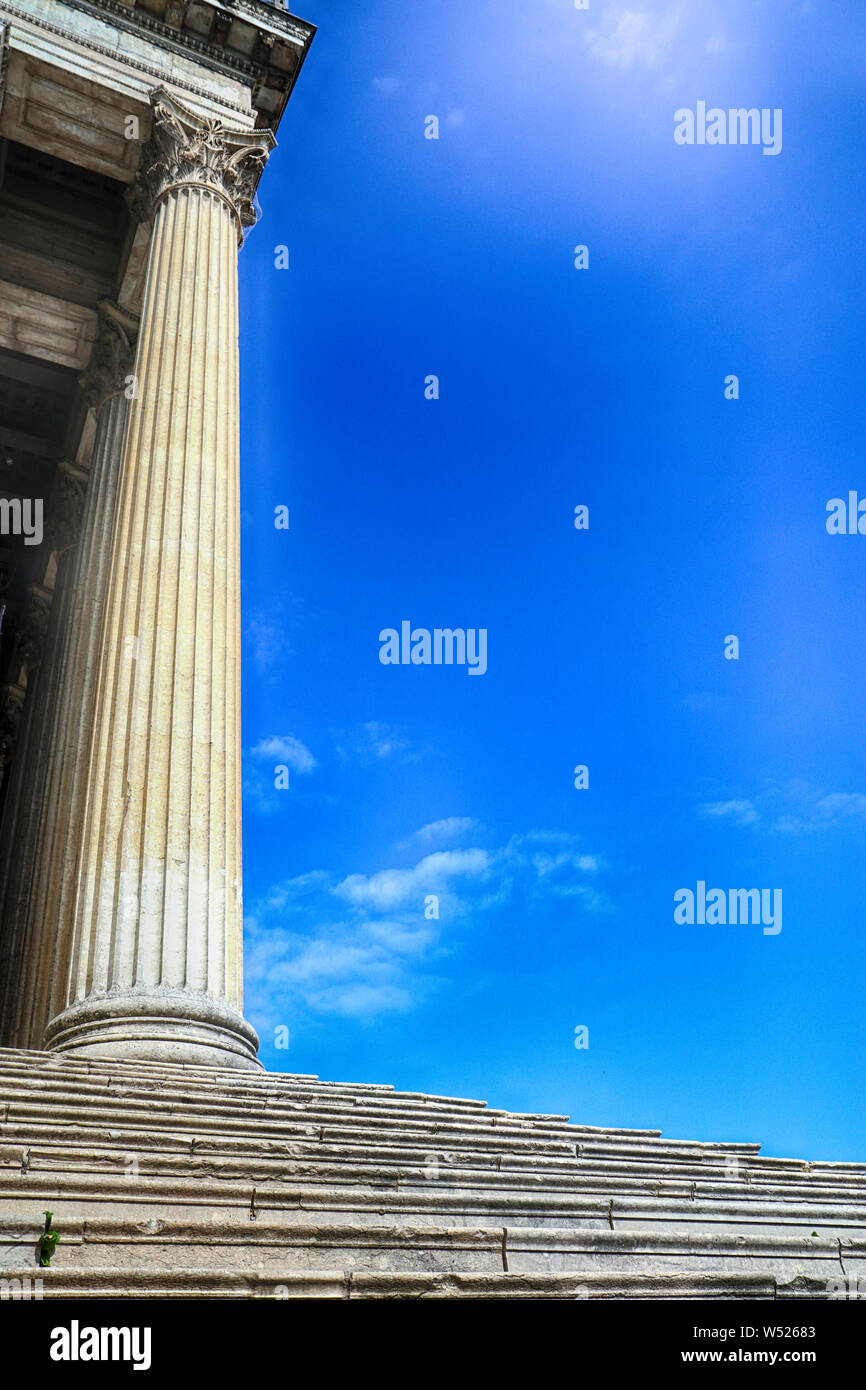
(52, 887)
(40, 645)
(21, 814)
(155, 955)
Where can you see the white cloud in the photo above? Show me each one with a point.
(261, 794)
(266, 640)
(741, 812)
(441, 831)
(629, 38)
(827, 813)
(841, 806)
(665, 38)
(793, 808)
(362, 944)
(395, 887)
(374, 742)
(284, 748)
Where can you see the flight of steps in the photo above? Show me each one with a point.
(181, 1181)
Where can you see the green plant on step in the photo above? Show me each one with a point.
(47, 1241)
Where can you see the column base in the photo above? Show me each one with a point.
(156, 1025)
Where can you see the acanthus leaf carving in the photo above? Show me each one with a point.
(66, 511)
(187, 150)
(34, 625)
(112, 356)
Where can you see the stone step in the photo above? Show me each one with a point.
(101, 1172)
(31, 1102)
(480, 1172)
(238, 1088)
(20, 1115)
(268, 1248)
(25, 1122)
(276, 1107)
(113, 1281)
(270, 1089)
(200, 1121)
(106, 1196)
(124, 1131)
(37, 1137)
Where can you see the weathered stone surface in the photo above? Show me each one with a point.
(151, 956)
(187, 1181)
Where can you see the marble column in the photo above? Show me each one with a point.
(155, 949)
(50, 894)
(29, 708)
(26, 705)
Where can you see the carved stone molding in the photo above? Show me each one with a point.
(175, 13)
(185, 150)
(34, 625)
(113, 354)
(11, 705)
(4, 58)
(66, 511)
(122, 17)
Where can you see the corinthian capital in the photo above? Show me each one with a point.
(186, 150)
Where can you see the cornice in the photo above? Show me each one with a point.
(260, 15)
(18, 12)
(273, 23)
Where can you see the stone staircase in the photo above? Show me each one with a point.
(180, 1181)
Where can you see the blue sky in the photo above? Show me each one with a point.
(604, 387)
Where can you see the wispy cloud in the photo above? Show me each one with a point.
(664, 38)
(440, 832)
(265, 640)
(790, 809)
(260, 791)
(373, 742)
(629, 37)
(829, 812)
(284, 748)
(396, 888)
(740, 812)
(365, 944)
